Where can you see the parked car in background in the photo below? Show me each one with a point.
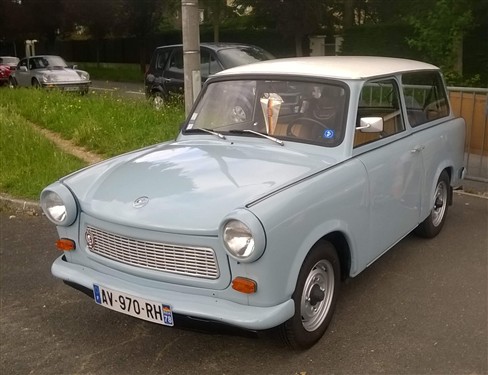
(7, 66)
(50, 72)
(288, 176)
(165, 75)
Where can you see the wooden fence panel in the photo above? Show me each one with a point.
(472, 105)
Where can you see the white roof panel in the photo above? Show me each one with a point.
(343, 67)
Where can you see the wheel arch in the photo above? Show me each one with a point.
(339, 241)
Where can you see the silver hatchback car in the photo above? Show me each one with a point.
(48, 71)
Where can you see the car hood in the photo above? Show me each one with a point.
(61, 74)
(188, 187)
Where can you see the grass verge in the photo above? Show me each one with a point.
(105, 125)
(102, 124)
(29, 161)
(114, 72)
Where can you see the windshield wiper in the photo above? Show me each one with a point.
(280, 142)
(196, 130)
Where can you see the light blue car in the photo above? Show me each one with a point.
(288, 177)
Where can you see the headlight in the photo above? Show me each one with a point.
(84, 75)
(47, 78)
(59, 205)
(238, 239)
(243, 236)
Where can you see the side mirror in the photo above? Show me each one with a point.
(23, 69)
(370, 125)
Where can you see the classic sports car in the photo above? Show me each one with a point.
(7, 66)
(287, 177)
(49, 72)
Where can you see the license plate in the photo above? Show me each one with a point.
(71, 89)
(141, 308)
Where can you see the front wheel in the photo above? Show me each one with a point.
(36, 84)
(12, 83)
(315, 297)
(157, 100)
(433, 224)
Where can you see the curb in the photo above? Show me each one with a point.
(19, 206)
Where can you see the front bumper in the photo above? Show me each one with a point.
(68, 86)
(195, 306)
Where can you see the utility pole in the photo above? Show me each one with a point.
(190, 25)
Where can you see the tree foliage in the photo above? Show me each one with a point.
(439, 31)
(293, 18)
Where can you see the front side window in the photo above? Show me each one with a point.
(309, 112)
(208, 64)
(425, 97)
(161, 58)
(176, 61)
(379, 99)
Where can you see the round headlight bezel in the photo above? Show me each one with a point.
(245, 223)
(59, 205)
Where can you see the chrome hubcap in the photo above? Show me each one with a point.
(158, 102)
(317, 295)
(440, 203)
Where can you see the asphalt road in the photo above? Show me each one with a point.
(125, 89)
(420, 309)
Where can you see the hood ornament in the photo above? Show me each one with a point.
(140, 202)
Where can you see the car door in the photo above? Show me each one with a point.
(394, 165)
(22, 73)
(174, 75)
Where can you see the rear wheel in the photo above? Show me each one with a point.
(433, 224)
(315, 297)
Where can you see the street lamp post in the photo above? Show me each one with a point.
(190, 19)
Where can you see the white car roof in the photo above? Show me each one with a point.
(343, 67)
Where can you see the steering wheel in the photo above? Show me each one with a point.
(312, 125)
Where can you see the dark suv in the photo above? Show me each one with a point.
(165, 75)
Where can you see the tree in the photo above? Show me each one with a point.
(439, 32)
(141, 18)
(293, 18)
(98, 18)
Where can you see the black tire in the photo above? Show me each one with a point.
(315, 297)
(433, 224)
(12, 83)
(36, 84)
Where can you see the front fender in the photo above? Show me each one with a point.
(299, 216)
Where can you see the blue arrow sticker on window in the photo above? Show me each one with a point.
(328, 133)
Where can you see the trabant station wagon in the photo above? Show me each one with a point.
(287, 177)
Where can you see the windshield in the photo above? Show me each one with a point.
(309, 112)
(41, 62)
(231, 57)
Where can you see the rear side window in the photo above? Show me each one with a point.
(425, 97)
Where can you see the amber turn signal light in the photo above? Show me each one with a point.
(65, 244)
(244, 285)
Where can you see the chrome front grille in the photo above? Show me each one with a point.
(183, 260)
